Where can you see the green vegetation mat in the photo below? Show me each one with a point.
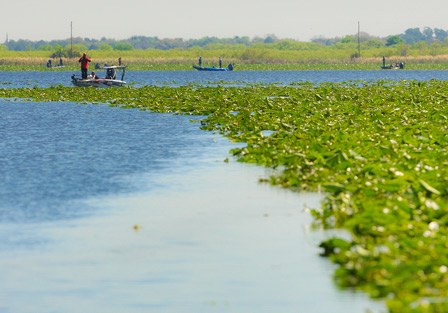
(378, 150)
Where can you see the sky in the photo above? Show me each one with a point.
(287, 19)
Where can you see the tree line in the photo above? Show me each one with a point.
(409, 37)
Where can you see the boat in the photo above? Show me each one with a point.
(216, 69)
(109, 81)
(393, 67)
(397, 66)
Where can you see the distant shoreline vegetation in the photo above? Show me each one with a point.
(427, 49)
(410, 37)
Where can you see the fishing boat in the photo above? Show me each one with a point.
(109, 81)
(397, 66)
(216, 69)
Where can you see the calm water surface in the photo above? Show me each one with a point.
(175, 78)
(77, 179)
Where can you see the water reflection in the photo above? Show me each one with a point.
(214, 241)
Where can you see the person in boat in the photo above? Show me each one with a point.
(94, 76)
(119, 61)
(220, 62)
(60, 62)
(200, 61)
(49, 63)
(84, 60)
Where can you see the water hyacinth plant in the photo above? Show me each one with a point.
(378, 150)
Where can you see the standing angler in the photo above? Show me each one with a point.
(84, 65)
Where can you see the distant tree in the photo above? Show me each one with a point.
(59, 52)
(123, 47)
(394, 40)
(428, 34)
(374, 43)
(256, 39)
(193, 42)
(45, 48)
(167, 44)
(409, 37)
(80, 47)
(421, 45)
(142, 42)
(326, 41)
(320, 40)
(240, 40)
(285, 45)
(436, 48)
(440, 34)
(59, 42)
(348, 39)
(105, 47)
(413, 35)
(404, 49)
(268, 39)
(271, 39)
(75, 51)
(39, 44)
(3, 48)
(19, 45)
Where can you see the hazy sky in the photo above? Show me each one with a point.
(295, 19)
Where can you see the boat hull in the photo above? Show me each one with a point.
(212, 69)
(98, 83)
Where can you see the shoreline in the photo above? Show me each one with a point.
(238, 67)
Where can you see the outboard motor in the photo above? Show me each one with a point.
(230, 67)
(111, 74)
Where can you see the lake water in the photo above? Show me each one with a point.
(175, 78)
(111, 210)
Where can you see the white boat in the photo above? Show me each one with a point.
(109, 81)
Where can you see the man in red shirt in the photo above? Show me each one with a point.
(84, 65)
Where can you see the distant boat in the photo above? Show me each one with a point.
(216, 69)
(397, 66)
(393, 67)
